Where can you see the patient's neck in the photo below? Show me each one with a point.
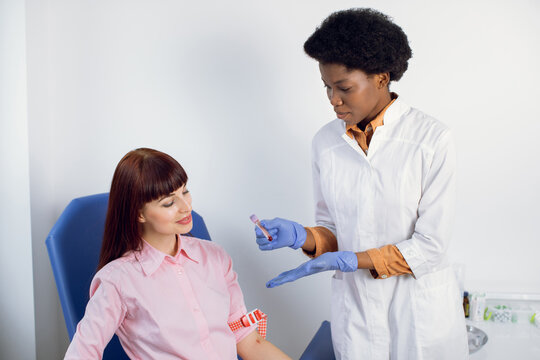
(167, 244)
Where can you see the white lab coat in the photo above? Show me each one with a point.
(402, 192)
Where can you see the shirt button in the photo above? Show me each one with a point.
(179, 272)
(384, 276)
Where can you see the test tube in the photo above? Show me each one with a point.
(256, 221)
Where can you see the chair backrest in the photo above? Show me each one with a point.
(74, 244)
(320, 346)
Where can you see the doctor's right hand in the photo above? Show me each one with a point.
(345, 261)
(284, 233)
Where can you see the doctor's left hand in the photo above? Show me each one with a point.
(345, 261)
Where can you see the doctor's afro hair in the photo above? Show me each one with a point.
(362, 39)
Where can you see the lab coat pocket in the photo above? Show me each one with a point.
(438, 318)
(339, 291)
(338, 275)
(339, 314)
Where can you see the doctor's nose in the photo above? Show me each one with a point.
(335, 100)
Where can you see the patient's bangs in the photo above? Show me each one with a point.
(161, 175)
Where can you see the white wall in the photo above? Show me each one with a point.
(17, 330)
(225, 88)
(44, 140)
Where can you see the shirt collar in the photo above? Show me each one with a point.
(377, 121)
(151, 258)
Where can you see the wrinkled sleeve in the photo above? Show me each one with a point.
(387, 261)
(426, 249)
(238, 307)
(325, 241)
(104, 313)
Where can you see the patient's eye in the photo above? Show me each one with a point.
(169, 204)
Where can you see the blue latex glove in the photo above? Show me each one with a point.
(284, 233)
(345, 261)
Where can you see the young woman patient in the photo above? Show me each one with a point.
(166, 296)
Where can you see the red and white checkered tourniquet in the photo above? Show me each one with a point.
(254, 317)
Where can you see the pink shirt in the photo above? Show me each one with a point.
(164, 307)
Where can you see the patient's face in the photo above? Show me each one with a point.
(167, 216)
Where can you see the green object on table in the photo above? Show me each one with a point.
(487, 314)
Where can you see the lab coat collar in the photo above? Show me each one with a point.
(391, 116)
(394, 112)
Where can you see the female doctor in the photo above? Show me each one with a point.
(384, 184)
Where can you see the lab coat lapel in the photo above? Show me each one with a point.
(352, 143)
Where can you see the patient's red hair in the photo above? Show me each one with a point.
(143, 175)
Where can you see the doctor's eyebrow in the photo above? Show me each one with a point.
(336, 83)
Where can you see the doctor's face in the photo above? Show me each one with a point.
(354, 95)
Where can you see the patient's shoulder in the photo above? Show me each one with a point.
(118, 269)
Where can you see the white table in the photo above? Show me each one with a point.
(508, 341)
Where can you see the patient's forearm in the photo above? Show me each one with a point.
(254, 347)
